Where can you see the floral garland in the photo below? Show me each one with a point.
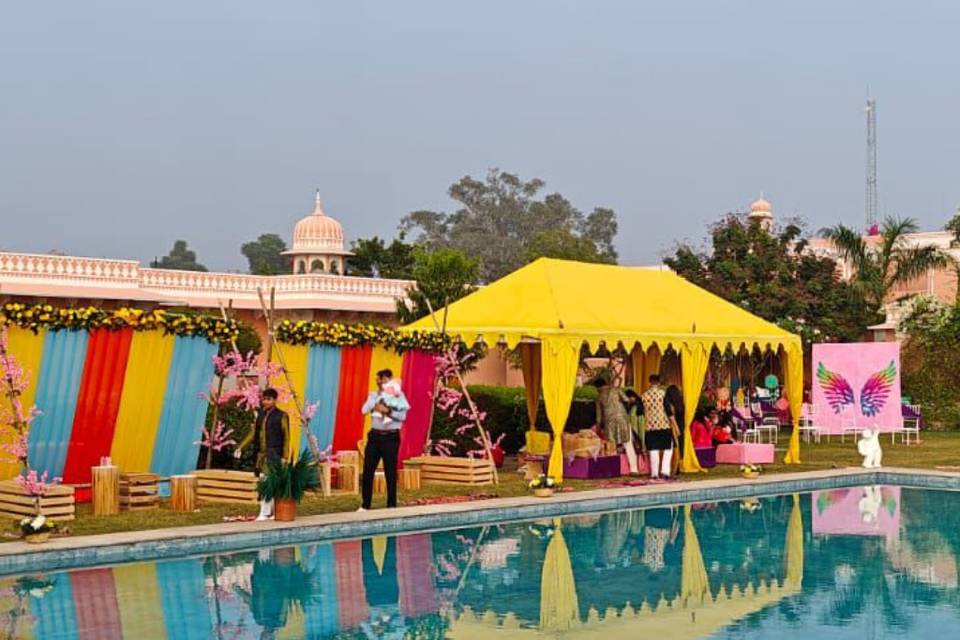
(351, 335)
(38, 316)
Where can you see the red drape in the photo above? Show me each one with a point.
(419, 371)
(351, 594)
(95, 605)
(415, 572)
(98, 403)
(354, 378)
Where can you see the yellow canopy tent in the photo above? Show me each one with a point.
(694, 613)
(559, 305)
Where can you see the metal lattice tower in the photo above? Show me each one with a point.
(871, 201)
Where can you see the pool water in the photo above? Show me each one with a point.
(871, 562)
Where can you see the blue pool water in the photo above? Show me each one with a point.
(872, 562)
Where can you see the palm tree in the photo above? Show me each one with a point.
(880, 266)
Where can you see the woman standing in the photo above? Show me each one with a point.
(659, 436)
(612, 418)
(675, 412)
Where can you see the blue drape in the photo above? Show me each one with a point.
(323, 385)
(184, 411)
(321, 609)
(55, 613)
(186, 612)
(61, 369)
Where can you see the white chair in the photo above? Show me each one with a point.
(849, 425)
(769, 426)
(808, 424)
(911, 427)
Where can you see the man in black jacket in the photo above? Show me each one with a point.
(271, 440)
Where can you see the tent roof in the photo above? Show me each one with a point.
(596, 302)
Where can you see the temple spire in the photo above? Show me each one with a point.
(318, 208)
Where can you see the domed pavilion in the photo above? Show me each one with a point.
(318, 243)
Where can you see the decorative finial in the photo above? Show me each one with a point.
(317, 209)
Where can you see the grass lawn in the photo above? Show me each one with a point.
(937, 449)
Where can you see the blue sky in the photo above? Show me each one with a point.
(125, 125)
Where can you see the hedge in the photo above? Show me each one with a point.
(506, 409)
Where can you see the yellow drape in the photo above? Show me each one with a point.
(560, 359)
(379, 545)
(532, 379)
(295, 359)
(793, 381)
(794, 547)
(138, 598)
(27, 348)
(558, 590)
(651, 365)
(636, 364)
(693, 368)
(381, 359)
(144, 386)
(694, 583)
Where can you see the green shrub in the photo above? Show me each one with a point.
(506, 409)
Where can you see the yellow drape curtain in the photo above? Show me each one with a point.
(636, 363)
(532, 379)
(794, 546)
(381, 358)
(141, 607)
(694, 582)
(693, 367)
(295, 357)
(27, 348)
(793, 381)
(144, 386)
(560, 358)
(559, 608)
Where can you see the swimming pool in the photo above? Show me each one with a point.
(876, 561)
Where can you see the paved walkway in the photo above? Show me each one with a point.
(766, 484)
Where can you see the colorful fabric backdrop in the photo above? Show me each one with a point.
(857, 384)
(135, 396)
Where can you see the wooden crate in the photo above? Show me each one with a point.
(58, 504)
(409, 478)
(450, 470)
(222, 485)
(139, 491)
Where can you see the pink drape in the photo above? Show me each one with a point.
(352, 596)
(419, 371)
(415, 573)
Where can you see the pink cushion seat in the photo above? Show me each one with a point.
(745, 453)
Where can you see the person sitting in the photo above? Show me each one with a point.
(701, 430)
(722, 431)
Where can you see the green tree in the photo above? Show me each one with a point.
(442, 277)
(264, 255)
(374, 258)
(879, 266)
(180, 257)
(930, 357)
(773, 276)
(501, 222)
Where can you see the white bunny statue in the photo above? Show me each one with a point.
(869, 447)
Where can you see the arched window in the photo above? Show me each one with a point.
(316, 266)
(334, 268)
(301, 266)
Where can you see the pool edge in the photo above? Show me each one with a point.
(158, 544)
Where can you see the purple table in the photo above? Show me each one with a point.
(590, 468)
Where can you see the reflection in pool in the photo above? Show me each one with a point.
(850, 563)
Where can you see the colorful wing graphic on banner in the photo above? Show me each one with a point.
(876, 390)
(835, 387)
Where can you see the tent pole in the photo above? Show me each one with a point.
(304, 424)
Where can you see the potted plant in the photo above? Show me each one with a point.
(37, 529)
(543, 486)
(750, 471)
(286, 483)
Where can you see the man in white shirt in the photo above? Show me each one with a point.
(383, 441)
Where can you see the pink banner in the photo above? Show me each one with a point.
(860, 511)
(857, 385)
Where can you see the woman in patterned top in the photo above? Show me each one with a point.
(659, 435)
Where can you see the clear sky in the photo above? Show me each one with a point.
(125, 125)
